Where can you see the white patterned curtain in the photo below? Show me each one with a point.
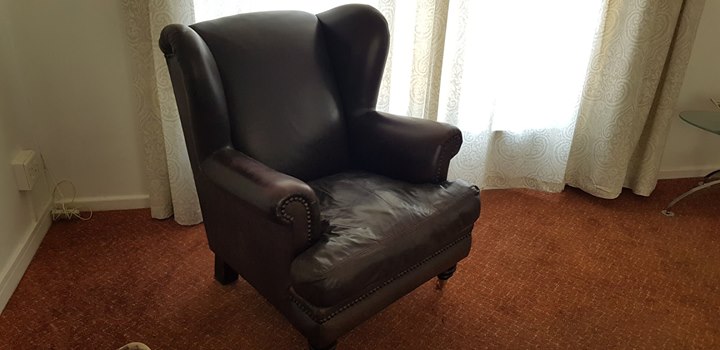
(514, 76)
(635, 76)
(172, 190)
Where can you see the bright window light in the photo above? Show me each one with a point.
(507, 65)
(516, 65)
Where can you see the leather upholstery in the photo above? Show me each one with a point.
(307, 192)
(409, 149)
(376, 229)
(282, 100)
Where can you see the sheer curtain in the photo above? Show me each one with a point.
(512, 78)
(513, 75)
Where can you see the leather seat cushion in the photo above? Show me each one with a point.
(377, 228)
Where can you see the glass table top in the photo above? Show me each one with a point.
(708, 121)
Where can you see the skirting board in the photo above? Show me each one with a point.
(105, 203)
(10, 278)
(685, 173)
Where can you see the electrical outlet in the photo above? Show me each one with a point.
(28, 167)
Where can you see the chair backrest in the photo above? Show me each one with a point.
(283, 104)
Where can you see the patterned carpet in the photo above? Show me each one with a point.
(546, 271)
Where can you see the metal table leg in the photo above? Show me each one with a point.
(702, 185)
(709, 177)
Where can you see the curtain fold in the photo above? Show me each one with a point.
(411, 79)
(632, 86)
(387, 8)
(429, 43)
(172, 189)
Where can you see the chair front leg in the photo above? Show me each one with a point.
(223, 272)
(444, 276)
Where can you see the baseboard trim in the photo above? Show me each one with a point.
(685, 173)
(105, 203)
(10, 278)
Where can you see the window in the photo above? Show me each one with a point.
(506, 65)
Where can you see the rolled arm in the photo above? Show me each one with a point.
(410, 149)
(284, 198)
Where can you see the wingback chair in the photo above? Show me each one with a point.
(330, 209)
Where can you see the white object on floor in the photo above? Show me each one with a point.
(135, 346)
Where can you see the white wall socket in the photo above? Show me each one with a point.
(28, 167)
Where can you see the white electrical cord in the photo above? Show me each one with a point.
(62, 209)
(715, 102)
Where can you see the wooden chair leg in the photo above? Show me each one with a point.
(223, 272)
(444, 276)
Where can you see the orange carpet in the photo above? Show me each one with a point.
(546, 271)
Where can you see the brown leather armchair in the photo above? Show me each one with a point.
(329, 208)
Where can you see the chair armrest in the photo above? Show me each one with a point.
(284, 198)
(409, 149)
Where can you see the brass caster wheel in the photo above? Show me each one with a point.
(440, 284)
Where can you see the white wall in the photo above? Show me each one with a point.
(691, 151)
(65, 91)
(23, 215)
(75, 65)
